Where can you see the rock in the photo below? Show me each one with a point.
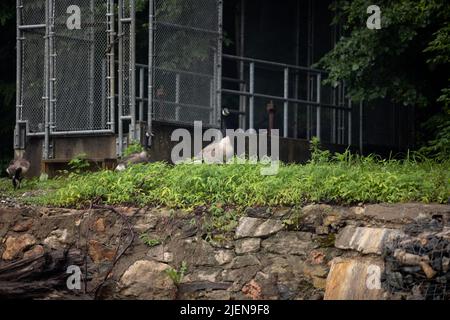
(252, 290)
(354, 279)
(208, 275)
(293, 243)
(23, 226)
(316, 257)
(366, 240)
(250, 245)
(223, 257)
(99, 225)
(57, 239)
(34, 252)
(257, 228)
(245, 261)
(322, 230)
(99, 252)
(16, 245)
(315, 271)
(159, 253)
(147, 280)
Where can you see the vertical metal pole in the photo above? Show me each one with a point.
(286, 104)
(47, 84)
(112, 66)
(361, 129)
(297, 63)
(252, 97)
(104, 98)
(310, 59)
(350, 122)
(151, 18)
(319, 108)
(18, 64)
(141, 94)
(219, 61)
(91, 67)
(177, 97)
(212, 113)
(242, 99)
(121, 66)
(133, 68)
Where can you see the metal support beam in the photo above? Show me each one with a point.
(132, 64)
(361, 129)
(252, 97)
(151, 18)
(286, 104)
(120, 74)
(219, 62)
(319, 108)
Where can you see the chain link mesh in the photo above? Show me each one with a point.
(32, 82)
(77, 62)
(185, 65)
(79, 67)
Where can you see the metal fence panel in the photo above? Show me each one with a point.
(79, 67)
(187, 55)
(31, 64)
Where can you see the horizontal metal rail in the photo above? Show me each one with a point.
(275, 64)
(279, 98)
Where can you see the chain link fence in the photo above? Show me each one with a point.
(186, 68)
(64, 63)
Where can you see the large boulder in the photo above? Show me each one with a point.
(147, 280)
(15, 246)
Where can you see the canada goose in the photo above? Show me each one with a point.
(224, 146)
(134, 158)
(16, 170)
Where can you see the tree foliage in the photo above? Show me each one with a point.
(406, 61)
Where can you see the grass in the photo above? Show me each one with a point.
(343, 179)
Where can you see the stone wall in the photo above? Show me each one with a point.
(314, 252)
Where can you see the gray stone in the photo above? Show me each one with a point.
(365, 240)
(147, 280)
(257, 228)
(15, 246)
(160, 253)
(223, 257)
(250, 245)
(293, 243)
(57, 239)
(245, 261)
(355, 279)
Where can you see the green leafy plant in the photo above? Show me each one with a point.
(149, 241)
(177, 275)
(79, 163)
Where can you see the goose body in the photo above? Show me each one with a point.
(212, 151)
(135, 158)
(16, 171)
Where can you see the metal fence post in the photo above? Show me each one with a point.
(47, 83)
(112, 66)
(219, 61)
(252, 97)
(286, 103)
(141, 94)
(18, 64)
(120, 74)
(177, 97)
(151, 17)
(350, 114)
(133, 68)
(319, 109)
